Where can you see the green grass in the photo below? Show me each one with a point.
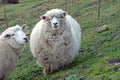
(86, 66)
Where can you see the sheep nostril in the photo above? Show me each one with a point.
(26, 40)
(55, 23)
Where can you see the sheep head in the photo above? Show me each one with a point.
(15, 35)
(54, 17)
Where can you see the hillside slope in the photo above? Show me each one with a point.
(100, 52)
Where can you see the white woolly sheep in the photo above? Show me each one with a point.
(55, 40)
(12, 41)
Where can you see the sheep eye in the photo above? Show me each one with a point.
(61, 16)
(13, 34)
(47, 19)
(7, 35)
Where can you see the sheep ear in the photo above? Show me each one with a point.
(24, 27)
(7, 36)
(43, 17)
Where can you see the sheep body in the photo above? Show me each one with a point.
(7, 63)
(10, 49)
(54, 48)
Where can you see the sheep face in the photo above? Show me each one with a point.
(20, 37)
(55, 17)
(55, 23)
(16, 35)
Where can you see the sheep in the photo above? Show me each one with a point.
(12, 41)
(55, 40)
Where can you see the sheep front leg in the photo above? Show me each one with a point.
(48, 69)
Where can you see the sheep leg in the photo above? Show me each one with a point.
(48, 69)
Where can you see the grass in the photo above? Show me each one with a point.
(86, 66)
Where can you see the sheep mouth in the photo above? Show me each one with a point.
(55, 27)
(21, 43)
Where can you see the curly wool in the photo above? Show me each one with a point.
(55, 48)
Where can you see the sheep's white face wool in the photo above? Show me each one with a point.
(55, 22)
(20, 37)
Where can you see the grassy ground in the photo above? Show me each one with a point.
(99, 50)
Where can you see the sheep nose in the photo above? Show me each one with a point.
(55, 24)
(26, 39)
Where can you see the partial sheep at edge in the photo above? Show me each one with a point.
(12, 41)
